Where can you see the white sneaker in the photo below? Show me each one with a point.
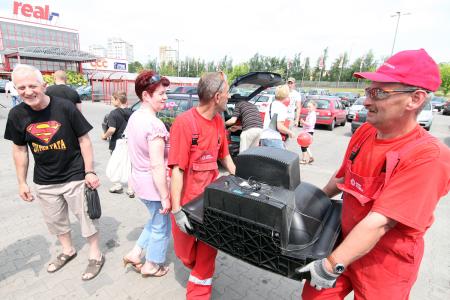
(130, 193)
(116, 188)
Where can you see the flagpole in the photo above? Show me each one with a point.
(340, 71)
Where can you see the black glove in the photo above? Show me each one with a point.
(320, 277)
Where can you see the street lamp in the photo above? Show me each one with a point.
(397, 14)
(178, 57)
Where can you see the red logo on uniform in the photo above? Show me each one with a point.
(44, 130)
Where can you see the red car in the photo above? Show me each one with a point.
(330, 111)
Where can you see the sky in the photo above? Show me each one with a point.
(238, 29)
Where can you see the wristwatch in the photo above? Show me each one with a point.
(338, 268)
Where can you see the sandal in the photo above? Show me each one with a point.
(159, 272)
(93, 268)
(136, 266)
(311, 160)
(60, 261)
(303, 162)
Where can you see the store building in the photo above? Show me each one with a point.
(28, 37)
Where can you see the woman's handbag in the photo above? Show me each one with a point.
(119, 164)
(94, 209)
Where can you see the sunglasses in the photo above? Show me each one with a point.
(154, 79)
(381, 94)
(224, 78)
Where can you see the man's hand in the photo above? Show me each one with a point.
(166, 205)
(182, 221)
(92, 181)
(104, 137)
(320, 277)
(25, 193)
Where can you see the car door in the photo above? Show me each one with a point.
(340, 111)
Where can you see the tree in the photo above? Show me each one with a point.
(445, 76)
(237, 71)
(135, 67)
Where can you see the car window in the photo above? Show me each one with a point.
(321, 104)
(427, 106)
(360, 101)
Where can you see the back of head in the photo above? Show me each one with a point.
(121, 96)
(281, 92)
(60, 76)
(22, 70)
(210, 84)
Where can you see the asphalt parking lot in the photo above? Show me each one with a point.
(26, 247)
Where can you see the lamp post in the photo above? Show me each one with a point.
(398, 15)
(178, 57)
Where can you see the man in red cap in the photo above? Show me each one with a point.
(392, 177)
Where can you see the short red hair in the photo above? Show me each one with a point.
(141, 83)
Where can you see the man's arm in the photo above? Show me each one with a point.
(331, 188)
(108, 133)
(298, 111)
(176, 186)
(231, 121)
(228, 163)
(361, 239)
(21, 160)
(87, 152)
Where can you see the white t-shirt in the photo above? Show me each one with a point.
(277, 108)
(294, 98)
(9, 87)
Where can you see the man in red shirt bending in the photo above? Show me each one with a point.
(197, 142)
(392, 177)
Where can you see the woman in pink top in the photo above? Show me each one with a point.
(148, 146)
(308, 126)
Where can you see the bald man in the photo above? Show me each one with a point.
(61, 90)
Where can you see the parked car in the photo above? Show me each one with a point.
(330, 111)
(438, 102)
(2, 85)
(359, 119)
(191, 90)
(425, 117)
(253, 84)
(446, 108)
(85, 92)
(322, 92)
(262, 101)
(356, 106)
(347, 98)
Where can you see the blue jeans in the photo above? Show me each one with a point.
(156, 234)
(272, 143)
(15, 100)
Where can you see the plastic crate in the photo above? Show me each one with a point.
(250, 242)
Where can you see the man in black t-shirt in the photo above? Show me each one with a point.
(117, 122)
(57, 135)
(251, 123)
(61, 90)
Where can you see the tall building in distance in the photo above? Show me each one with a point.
(166, 54)
(118, 48)
(97, 50)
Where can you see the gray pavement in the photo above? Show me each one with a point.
(26, 247)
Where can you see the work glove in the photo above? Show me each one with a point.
(182, 221)
(320, 278)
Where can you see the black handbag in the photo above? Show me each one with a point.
(94, 209)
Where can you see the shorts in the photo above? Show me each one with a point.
(56, 199)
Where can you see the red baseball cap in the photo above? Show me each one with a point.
(410, 67)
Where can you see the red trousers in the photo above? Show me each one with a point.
(370, 279)
(200, 258)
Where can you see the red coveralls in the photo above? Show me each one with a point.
(201, 171)
(390, 269)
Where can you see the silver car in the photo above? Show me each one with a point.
(356, 107)
(425, 117)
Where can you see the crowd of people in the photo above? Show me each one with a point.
(386, 212)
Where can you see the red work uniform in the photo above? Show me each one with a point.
(403, 179)
(196, 144)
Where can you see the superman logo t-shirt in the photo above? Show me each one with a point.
(52, 135)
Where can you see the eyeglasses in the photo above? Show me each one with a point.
(382, 94)
(224, 78)
(154, 79)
